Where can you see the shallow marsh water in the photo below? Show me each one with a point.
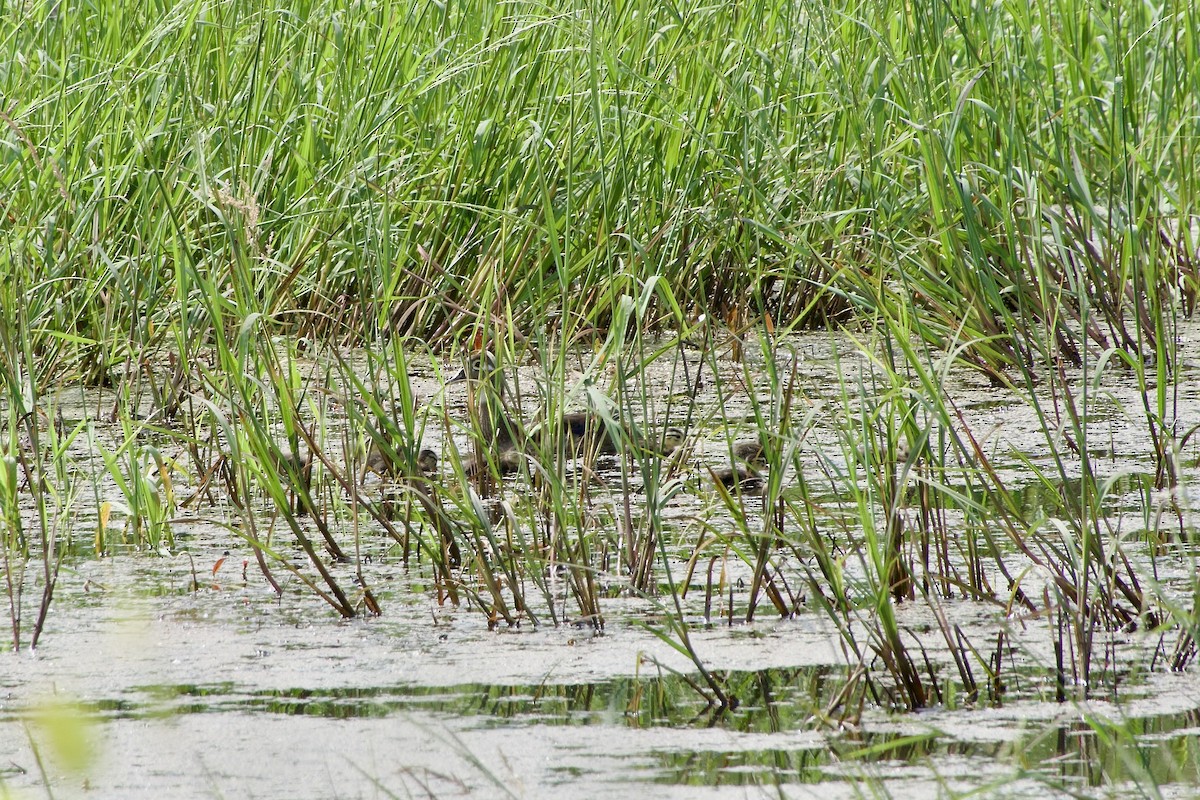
(227, 690)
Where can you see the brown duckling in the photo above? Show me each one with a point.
(745, 476)
(501, 432)
(745, 472)
(427, 462)
(749, 450)
(672, 439)
(582, 432)
(300, 463)
(383, 465)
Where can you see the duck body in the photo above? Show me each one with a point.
(500, 431)
(298, 463)
(746, 470)
(741, 476)
(378, 462)
(506, 442)
(501, 442)
(504, 462)
(586, 433)
(749, 450)
(383, 465)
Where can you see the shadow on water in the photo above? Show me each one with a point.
(1164, 748)
(772, 701)
(1126, 493)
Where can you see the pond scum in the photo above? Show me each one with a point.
(243, 224)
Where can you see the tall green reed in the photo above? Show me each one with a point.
(33, 460)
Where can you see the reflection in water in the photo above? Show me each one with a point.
(768, 701)
(1091, 753)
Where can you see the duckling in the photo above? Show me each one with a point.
(745, 476)
(750, 450)
(383, 465)
(427, 462)
(745, 472)
(501, 432)
(672, 440)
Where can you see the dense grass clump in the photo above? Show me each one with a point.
(350, 169)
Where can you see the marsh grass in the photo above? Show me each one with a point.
(243, 192)
(414, 170)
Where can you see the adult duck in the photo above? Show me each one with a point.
(582, 432)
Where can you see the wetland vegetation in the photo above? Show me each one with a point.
(826, 426)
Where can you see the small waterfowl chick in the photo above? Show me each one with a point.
(672, 440)
(500, 431)
(749, 450)
(385, 466)
(745, 476)
(427, 462)
(745, 472)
